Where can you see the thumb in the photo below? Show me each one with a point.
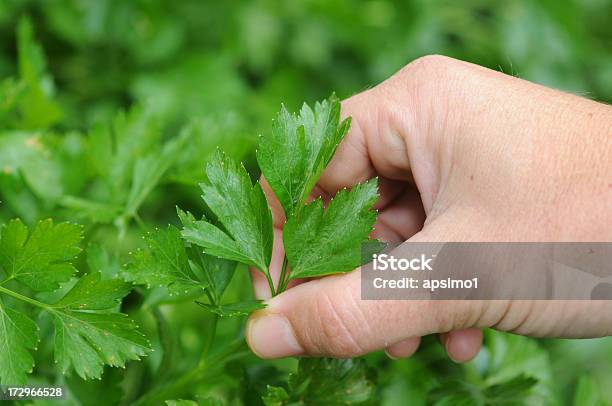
(327, 317)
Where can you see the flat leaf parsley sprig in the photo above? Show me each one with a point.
(318, 240)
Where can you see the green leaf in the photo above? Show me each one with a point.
(149, 170)
(92, 293)
(11, 92)
(511, 391)
(85, 209)
(102, 149)
(234, 309)
(164, 264)
(39, 260)
(587, 393)
(217, 271)
(214, 241)
(88, 335)
(18, 335)
(35, 108)
(129, 161)
(87, 341)
(27, 155)
(325, 381)
(206, 135)
(100, 260)
(299, 148)
(31, 59)
(115, 149)
(515, 391)
(275, 396)
(243, 212)
(456, 392)
(322, 241)
(510, 355)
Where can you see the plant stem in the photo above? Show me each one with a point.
(210, 296)
(209, 341)
(283, 276)
(270, 282)
(167, 342)
(139, 221)
(23, 298)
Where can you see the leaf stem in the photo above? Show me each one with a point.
(282, 282)
(167, 342)
(23, 298)
(209, 341)
(139, 221)
(212, 299)
(270, 282)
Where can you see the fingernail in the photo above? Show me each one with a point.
(394, 358)
(272, 336)
(448, 350)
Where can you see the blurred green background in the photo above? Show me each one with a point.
(241, 59)
(215, 73)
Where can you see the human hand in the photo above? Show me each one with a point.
(463, 154)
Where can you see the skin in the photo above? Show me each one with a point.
(463, 154)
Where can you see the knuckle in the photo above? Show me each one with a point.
(338, 333)
(453, 315)
(429, 67)
(515, 317)
(427, 82)
(430, 62)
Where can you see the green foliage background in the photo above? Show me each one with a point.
(191, 75)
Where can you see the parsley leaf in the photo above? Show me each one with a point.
(128, 160)
(149, 170)
(100, 260)
(165, 263)
(587, 393)
(39, 260)
(322, 241)
(88, 340)
(27, 155)
(511, 355)
(217, 271)
(18, 335)
(241, 208)
(299, 148)
(456, 392)
(115, 149)
(243, 308)
(92, 293)
(32, 106)
(89, 332)
(325, 381)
